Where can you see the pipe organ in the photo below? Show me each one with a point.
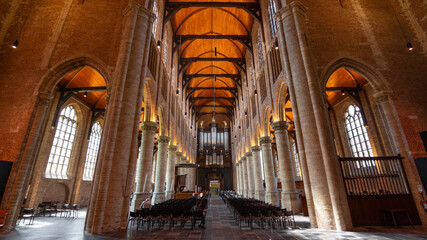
(214, 145)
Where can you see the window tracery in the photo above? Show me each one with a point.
(360, 145)
(92, 152)
(60, 152)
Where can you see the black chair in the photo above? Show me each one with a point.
(27, 213)
(53, 209)
(134, 217)
(41, 209)
(75, 210)
(64, 210)
(289, 217)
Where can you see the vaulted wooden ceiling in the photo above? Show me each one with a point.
(211, 38)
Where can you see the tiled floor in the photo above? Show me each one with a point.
(219, 225)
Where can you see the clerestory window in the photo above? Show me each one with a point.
(156, 13)
(60, 152)
(272, 9)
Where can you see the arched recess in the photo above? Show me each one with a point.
(376, 80)
(18, 180)
(148, 103)
(279, 111)
(265, 127)
(163, 126)
(55, 74)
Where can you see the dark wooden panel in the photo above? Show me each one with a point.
(5, 168)
(369, 210)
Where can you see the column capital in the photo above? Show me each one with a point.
(140, 10)
(280, 126)
(172, 148)
(256, 148)
(149, 126)
(291, 8)
(178, 154)
(163, 139)
(242, 159)
(265, 140)
(45, 97)
(382, 96)
(248, 154)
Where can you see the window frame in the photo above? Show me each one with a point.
(89, 170)
(65, 136)
(358, 139)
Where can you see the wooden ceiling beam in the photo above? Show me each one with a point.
(85, 89)
(187, 78)
(185, 62)
(172, 8)
(179, 40)
(193, 90)
(340, 89)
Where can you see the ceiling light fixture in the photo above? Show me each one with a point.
(409, 46)
(15, 44)
(276, 45)
(159, 44)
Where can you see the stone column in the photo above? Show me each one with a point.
(271, 194)
(115, 167)
(159, 186)
(286, 165)
(170, 172)
(327, 189)
(400, 146)
(237, 178)
(256, 165)
(144, 167)
(245, 177)
(251, 182)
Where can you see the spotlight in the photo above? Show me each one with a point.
(409, 46)
(15, 44)
(85, 95)
(276, 45)
(158, 44)
(177, 92)
(255, 92)
(246, 113)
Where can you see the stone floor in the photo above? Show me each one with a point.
(219, 225)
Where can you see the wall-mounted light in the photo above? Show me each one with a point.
(15, 44)
(246, 113)
(185, 113)
(235, 136)
(159, 44)
(409, 46)
(239, 127)
(85, 94)
(276, 45)
(255, 92)
(177, 92)
(342, 92)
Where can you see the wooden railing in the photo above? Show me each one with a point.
(374, 176)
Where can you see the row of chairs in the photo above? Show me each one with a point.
(173, 211)
(66, 210)
(255, 211)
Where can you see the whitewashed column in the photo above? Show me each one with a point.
(159, 186)
(271, 194)
(170, 172)
(256, 164)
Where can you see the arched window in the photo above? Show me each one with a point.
(156, 13)
(357, 134)
(272, 9)
(62, 144)
(92, 151)
(296, 159)
(259, 45)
